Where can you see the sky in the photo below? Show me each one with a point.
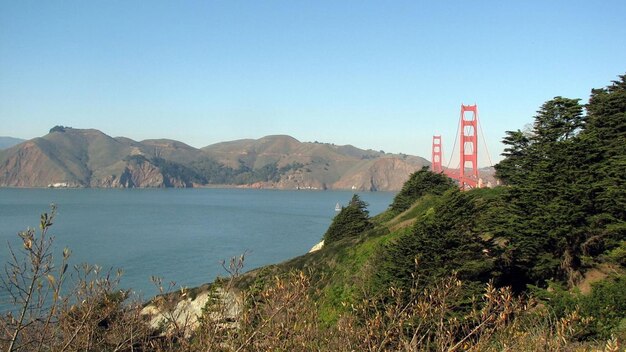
(383, 75)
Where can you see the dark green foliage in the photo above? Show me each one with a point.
(618, 254)
(175, 170)
(420, 183)
(267, 173)
(605, 305)
(568, 182)
(351, 221)
(512, 167)
(557, 120)
(216, 173)
(605, 138)
(58, 128)
(457, 235)
(213, 171)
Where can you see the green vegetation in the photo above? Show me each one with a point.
(604, 307)
(213, 172)
(420, 183)
(351, 221)
(537, 264)
(175, 170)
(59, 128)
(448, 238)
(562, 213)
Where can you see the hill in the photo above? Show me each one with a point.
(316, 165)
(69, 157)
(7, 142)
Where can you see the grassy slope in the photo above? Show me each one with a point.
(341, 270)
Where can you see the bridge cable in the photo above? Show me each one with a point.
(456, 136)
(480, 126)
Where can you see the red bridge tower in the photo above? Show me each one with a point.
(437, 155)
(468, 174)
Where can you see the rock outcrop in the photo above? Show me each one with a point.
(140, 175)
(183, 311)
(384, 174)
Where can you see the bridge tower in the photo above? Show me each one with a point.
(437, 155)
(468, 174)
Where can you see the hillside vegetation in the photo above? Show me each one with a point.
(72, 157)
(537, 264)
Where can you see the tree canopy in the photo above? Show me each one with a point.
(420, 183)
(351, 221)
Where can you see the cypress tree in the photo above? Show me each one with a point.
(351, 221)
(420, 183)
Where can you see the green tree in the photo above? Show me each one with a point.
(351, 221)
(558, 119)
(568, 186)
(512, 167)
(603, 157)
(420, 183)
(447, 239)
(58, 128)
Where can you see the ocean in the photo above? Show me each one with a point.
(179, 235)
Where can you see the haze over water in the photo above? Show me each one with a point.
(180, 235)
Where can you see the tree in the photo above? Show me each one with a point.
(351, 221)
(558, 119)
(568, 182)
(511, 168)
(58, 128)
(603, 145)
(446, 239)
(420, 183)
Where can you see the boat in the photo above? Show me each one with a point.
(338, 207)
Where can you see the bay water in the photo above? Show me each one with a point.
(180, 235)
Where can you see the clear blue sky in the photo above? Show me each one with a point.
(382, 75)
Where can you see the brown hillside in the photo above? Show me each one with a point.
(89, 158)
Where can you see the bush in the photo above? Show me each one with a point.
(603, 308)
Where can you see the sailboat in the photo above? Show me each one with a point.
(338, 207)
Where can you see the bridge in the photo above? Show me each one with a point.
(466, 173)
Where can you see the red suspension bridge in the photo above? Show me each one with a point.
(467, 171)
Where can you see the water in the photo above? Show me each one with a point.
(179, 235)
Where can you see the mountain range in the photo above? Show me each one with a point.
(69, 157)
(8, 142)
